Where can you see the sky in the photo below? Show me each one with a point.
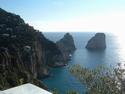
(70, 15)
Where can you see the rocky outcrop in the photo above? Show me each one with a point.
(67, 46)
(24, 52)
(51, 53)
(98, 42)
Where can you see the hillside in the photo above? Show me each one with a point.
(24, 52)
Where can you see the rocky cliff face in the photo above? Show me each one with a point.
(67, 46)
(52, 56)
(24, 52)
(97, 42)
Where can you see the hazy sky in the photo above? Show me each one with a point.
(70, 15)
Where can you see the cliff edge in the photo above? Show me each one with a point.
(24, 52)
(67, 46)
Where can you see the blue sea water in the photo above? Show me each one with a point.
(61, 78)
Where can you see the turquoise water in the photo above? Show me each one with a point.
(62, 80)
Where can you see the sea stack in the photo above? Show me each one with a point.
(98, 42)
(67, 46)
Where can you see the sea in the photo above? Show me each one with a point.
(62, 80)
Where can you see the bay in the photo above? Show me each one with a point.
(61, 78)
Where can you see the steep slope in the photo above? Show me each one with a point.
(98, 42)
(24, 52)
(67, 46)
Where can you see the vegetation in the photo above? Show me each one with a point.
(24, 52)
(101, 80)
(55, 91)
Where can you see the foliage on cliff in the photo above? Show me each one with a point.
(101, 80)
(55, 91)
(24, 52)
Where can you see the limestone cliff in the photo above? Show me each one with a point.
(67, 46)
(97, 42)
(24, 52)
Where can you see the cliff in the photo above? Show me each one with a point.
(97, 42)
(67, 46)
(24, 52)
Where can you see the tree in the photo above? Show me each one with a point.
(101, 80)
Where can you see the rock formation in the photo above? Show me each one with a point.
(67, 46)
(24, 52)
(97, 42)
